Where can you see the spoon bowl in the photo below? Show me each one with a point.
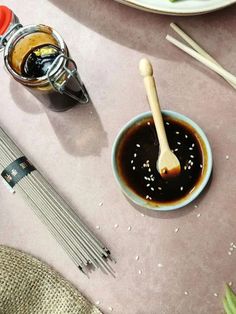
(168, 165)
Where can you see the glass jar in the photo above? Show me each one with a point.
(37, 57)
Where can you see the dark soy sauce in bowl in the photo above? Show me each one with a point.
(137, 154)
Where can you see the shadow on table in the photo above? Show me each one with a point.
(175, 213)
(146, 32)
(79, 129)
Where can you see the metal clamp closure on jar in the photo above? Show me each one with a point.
(4, 38)
(64, 81)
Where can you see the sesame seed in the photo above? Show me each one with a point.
(129, 228)
(152, 179)
(98, 302)
(176, 149)
(149, 170)
(135, 155)
(152, 188)
(193, 145)
(198, 215)
(159, 188)
(178, 143)
(147, 197)
(140, 272)
(137, 258)
(231, 248)
(234, 246)
(227, 157)
(159, 265)
(142, 215)
(110, 308)
(181, 188)
(201, 166)
(137, 145)
(215, 294)
(100, 204)
(147, 161)
(177, 132)
(176, 230)
(148, 185)
(195, 206)
(229, 253)
(150, 198)
(189, 167)
(185, 167)
(145, 178)
(134, 168)
(98, 227)
(190, 148)
(232, 243)
(116, 226)
(148, 123)
(167, 123)
(186, 292)
(186, 136)
(132, 162)
(230, 283)
(191, 156)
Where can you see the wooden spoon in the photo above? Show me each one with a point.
(168, 164)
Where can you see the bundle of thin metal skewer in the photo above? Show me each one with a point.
(64, 224)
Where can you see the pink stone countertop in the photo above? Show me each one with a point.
(73, 149)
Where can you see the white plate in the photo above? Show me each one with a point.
(180, 7)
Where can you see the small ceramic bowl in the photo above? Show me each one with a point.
(201, 184)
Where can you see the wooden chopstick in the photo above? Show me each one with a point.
(196, 46)
(214, 67)
(200, 51)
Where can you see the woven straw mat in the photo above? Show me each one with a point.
(28, 286)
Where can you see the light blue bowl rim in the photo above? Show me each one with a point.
(136, 198)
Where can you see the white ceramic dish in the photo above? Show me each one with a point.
(180, 7)
(206, 173)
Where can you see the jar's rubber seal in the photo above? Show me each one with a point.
(5, 18)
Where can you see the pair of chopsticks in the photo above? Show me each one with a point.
(200, 54)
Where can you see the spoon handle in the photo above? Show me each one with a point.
(146, 71)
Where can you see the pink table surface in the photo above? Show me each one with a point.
(73, 150)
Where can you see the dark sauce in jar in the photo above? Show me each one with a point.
(138, 153)
(38, 61)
